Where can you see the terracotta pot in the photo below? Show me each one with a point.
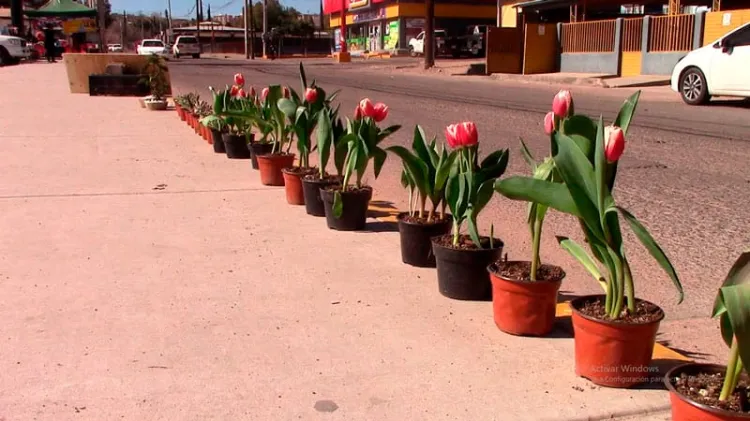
(523, 308)
(609, 353)
(180, 112)
(416, 240)
(462, 274)
(270, 167)
(684, 409)
(293, 185)
(256, 149)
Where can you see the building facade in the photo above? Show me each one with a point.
(387, 25)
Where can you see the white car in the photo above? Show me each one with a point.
(13, 50)
(416, 45)
(186, 46)
(718, 69)
(152, 46)
(114, 48)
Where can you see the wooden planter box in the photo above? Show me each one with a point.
(117, 85)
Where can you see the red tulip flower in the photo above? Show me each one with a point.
(461, 135)
(380, 112)
(614, 143)
(263, 94)
(311, 95)
(367, 108)
(239, 80)
(241, 93)
(286, 92)
(549, 122)
(561, 104)
(233, 92)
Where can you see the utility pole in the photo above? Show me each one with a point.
(429, 34)
(198, 23)
(100, 7)
(123, 25)
(265, 27)
(246, 11)
(169, 20)
(211, 22)
(16, 15)
(252, 29)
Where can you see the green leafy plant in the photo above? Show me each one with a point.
(426, 172)
(586, 161)
(732, 307)
(469, 187)
(156, 77)
(302, 113)
(363, 138)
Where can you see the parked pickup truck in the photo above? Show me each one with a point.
(12, 50)
(472, 42)
(416, 45)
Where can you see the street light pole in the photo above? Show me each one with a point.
(265, 26)
(429, 35)
(169, 20)
(252, 29)
(245, 14)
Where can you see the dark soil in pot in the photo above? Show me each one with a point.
(520, 306)
(694, 391)
(218, 141)
(462, 269)
(614, 353)
(235, 146)
(416, 238)
(259, 148)
(311, 186)
(356, 201)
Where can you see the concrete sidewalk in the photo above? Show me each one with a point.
(144, 277)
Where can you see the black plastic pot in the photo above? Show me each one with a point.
(354, 215)
(259, 148)
(416, 240)
(462, 274)
(218, 141)
(311, 189)
(235, 146)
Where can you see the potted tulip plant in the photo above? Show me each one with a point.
(524, 293)
(346, 204)
(462, 260)
(426, 172)
(272, 120)
(235, 109)
(330, 136)
(614, 332)
(302, 113)
(712, 392)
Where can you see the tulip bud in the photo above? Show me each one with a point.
(234, 90)
(239, 80)
(286, 92)
(549, 122)
(358, 113)
(241, 93)
(263, 94)
(311, 95)
(367, 108)
(614, 143)
(252, 92)
(462, 134)
(561, 104)
(451, 136)
(380, 112)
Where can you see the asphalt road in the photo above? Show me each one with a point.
(685, 172)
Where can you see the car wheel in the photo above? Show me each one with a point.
(5, 58)
(196, 56)
(693, 87)
(412, 52)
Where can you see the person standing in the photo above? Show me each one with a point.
(49, 43)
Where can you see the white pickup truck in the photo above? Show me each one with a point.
(13, 50)
(416, 45)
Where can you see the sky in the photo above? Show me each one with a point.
(180, 8)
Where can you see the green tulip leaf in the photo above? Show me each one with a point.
(338, 205)
(580, 254)
(627, 111)
(553, 195)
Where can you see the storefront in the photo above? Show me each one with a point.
(388, 25)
